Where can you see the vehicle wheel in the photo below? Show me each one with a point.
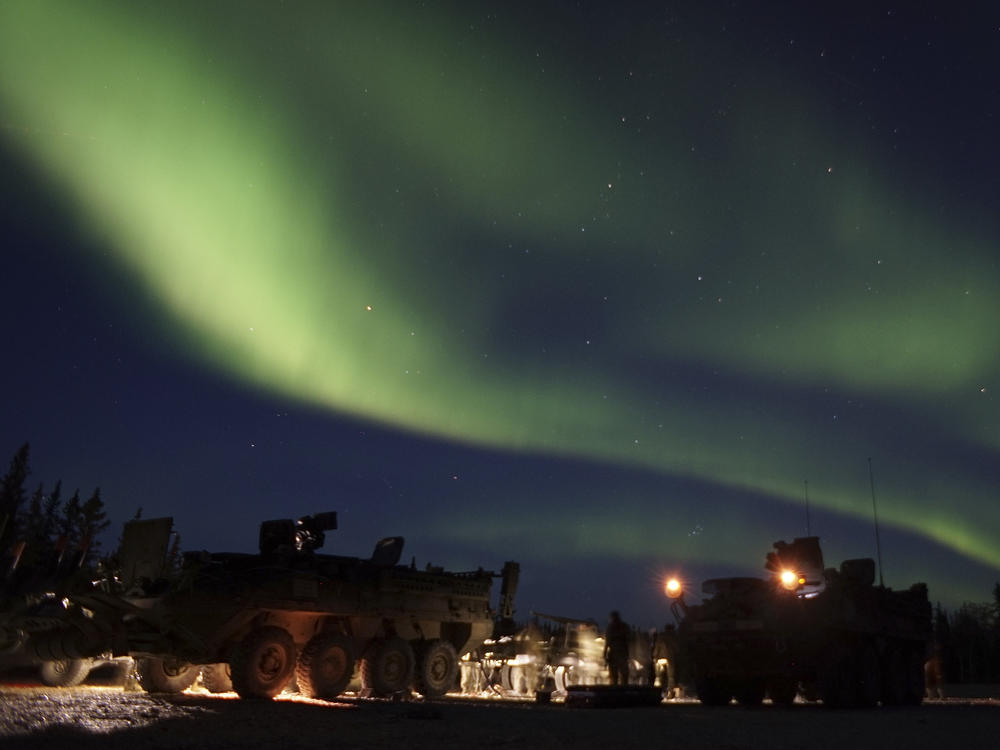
(387, 666)
(561, 678)
(217, 678)
(836, 679)
(867, 682)
(713, 691)
(915, 685)
(437, 668)
(263, 662)
(782, 691)
(64, 672)
(750, 692)
(894, 676)
(521, 679)
(508, 678)
(165, 675)
(325, 666)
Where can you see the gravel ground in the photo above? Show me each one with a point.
(110, 718)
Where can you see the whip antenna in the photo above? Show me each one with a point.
(878, 545)
(808, 532)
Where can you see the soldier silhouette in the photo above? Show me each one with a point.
(616, 639)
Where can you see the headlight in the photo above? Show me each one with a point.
(791, 580)
(673, 588)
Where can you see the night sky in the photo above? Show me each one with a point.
(605, 288)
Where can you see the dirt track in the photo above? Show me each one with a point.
(109, 718)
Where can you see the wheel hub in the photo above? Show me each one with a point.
(272, 661)
(333, 664)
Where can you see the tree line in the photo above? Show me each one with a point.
(968, 641)
(40, 527)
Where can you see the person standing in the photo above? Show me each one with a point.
(665, 654)
(616, 639)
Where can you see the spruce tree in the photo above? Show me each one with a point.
(995, 666)
(33, 524)
(50, 513)
(69, 524)
(943, 639)
(174, 556)
(93, 521)
(12, 497)
(33, 529)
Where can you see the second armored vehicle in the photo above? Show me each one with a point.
(825, 633)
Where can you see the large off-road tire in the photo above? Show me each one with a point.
(713, 691)
(165, 675)
(565, 677)
(867, 676)
(437, 668)
(325, 666)
(217, 678)
(64, 672)
(915, 684)
(835, 678)
(894, 676)
(387, 666)
(810, 691)
(850, 676)
(782, 691)
(263, 662)
(835, 688)
(750, 692)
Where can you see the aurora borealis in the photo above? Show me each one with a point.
(592, 288)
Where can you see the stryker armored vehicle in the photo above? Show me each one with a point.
(250, 622)
(831, 634)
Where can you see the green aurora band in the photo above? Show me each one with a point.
(378, 212)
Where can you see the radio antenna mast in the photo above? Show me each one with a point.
(808, 531)
(878, 544)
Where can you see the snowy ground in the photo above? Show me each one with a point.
(110, 718)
